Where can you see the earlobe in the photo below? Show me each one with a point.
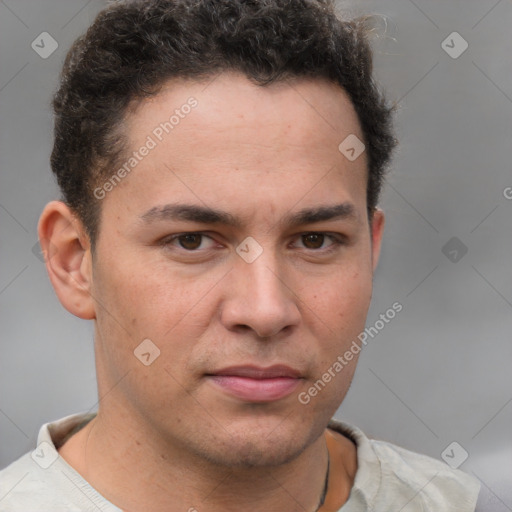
(68, 258)
(377, 230)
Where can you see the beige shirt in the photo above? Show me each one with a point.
(388, 479)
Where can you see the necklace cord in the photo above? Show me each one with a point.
(326, 485)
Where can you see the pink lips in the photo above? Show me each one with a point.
(256, 384)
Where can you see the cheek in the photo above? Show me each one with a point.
(138, 305)
(166, 307)
(139, 292)
(340, 309)
(341, 300)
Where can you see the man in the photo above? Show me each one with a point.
(220, 163)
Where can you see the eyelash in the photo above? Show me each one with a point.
(336, 239)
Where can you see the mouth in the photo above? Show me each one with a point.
(256, 384)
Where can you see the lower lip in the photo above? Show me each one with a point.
(256, 390)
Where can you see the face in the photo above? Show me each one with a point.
(240, 246)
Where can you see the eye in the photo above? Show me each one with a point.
(188, 241)
(315, 241)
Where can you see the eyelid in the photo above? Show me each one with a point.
(167, 240)
(337, 240)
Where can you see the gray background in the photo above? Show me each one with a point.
(440, 370)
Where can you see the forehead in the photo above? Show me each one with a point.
(232, 106)
(221, 138)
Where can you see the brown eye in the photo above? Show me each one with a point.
(190, 241)
(313, 240)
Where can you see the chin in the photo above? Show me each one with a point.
(249, 453)
(259, 443)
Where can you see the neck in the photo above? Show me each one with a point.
(132, 467)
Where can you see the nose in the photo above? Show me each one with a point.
(260, 298)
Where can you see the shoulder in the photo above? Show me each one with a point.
(41, 480)
(428, 481)
(24, 485)
(390, 477)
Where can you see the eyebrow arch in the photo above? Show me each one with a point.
(340, 211)
(206, 215)
(190, 213)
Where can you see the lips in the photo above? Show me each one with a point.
(256, 384)
(255, 372)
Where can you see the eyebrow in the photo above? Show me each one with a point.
(207, 215)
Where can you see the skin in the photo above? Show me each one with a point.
(165, 434)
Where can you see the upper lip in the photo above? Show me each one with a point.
(259, 372)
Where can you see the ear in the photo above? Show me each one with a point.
(377, 229)
(66, 248)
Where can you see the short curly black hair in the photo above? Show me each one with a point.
(134, 47)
